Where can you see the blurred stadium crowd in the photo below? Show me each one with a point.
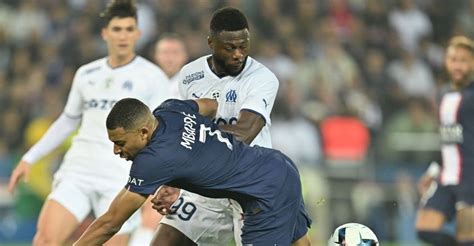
(356, 109)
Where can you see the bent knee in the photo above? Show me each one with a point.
(44, 238)
(429, 220)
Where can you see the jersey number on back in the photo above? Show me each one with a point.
(203, 134)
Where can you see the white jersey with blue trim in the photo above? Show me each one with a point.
(95, 89)
(254, 89)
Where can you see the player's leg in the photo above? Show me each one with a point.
(150, 219)
(167, 235)
(465, 226)
(101, 199)
(196, 219)
(65, 208)
(55, 224)
(435, 210)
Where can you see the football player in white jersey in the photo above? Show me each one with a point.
(170, 55)
(245, 91)
(90, 175)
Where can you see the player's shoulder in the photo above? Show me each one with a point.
(194, 71)
(177, 105)
(257, 69)
(143, 64)
(91, 67)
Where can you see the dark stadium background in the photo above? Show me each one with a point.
(371, 69)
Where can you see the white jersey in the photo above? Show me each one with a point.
(254, 89)
(174, 86)
(96, 88)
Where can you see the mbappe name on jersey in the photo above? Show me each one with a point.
(189, 134)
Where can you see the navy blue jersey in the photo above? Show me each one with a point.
(188, 151)
(456, 115)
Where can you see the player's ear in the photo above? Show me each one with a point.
(103, 33)
(210, 42)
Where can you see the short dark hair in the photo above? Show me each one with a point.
(127, 113)
(228, 19)
(119, 8)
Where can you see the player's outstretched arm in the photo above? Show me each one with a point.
(21, 172)
(207, 107)
(248, 126)
(56, 134)
(104, 227)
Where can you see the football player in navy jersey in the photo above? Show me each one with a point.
(179, 147)
(451, 196)
(245, 91)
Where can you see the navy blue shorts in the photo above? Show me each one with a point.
(445, 198)
(284, 222)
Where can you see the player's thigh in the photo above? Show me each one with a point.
(429, 219)
(204, 220)
(436, 210)
(55, 224)
(167, 235)
(149, 216)
(465, 224)
(101, 202)
(64, 209)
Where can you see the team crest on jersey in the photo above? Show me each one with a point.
(215, 94)
(231, 96)
(127, 85)
(192, 77)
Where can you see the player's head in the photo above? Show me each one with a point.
(120, 28)
(170, 53)
(130, 125)
(459, 60)
(229, 39)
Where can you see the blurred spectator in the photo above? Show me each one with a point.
(412, 76)
(410, 23)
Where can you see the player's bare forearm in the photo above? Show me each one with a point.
(247, 128)
(99, 232)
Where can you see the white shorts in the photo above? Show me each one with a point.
(80, 198)
(206, 221)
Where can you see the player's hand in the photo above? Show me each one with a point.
(425, 183)
(21, 172)
(164, 198)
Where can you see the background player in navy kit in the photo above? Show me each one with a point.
(177, 146)
(90, 175)
(247, 91)
(454, 190)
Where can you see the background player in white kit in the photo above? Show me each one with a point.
(90, 175)
(170, 55)
(245, 91)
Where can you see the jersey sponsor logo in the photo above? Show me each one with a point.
(127, 85)
(188, 136)
(135, 181)
(451, 134)
(90, 70)
(192, 77)
(102, 104)
(231, 96)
